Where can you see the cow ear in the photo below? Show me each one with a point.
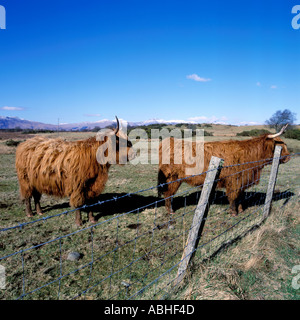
(100, 136)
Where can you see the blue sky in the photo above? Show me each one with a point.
(230, 61)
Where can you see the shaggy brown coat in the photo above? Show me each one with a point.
(235, 179)
(64, 169)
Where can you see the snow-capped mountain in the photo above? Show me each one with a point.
(15, 122)
(161, 121)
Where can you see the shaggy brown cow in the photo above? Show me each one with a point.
(235, 178)
(67, 168)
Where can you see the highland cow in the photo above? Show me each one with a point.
(67, 168)
(243, 162)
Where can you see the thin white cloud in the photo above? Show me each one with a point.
(273, 87)
(195, 77)
(248, 123)
(258, 84)
(212, 119)
(92, 115)
(201, 118)
(12, 108)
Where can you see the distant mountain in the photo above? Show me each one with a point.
(15, 122)
(86, 125)
(159, 121)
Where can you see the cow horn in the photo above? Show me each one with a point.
(108, 133)
(118, 125)
(271, 136)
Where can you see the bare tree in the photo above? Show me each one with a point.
(280, 118)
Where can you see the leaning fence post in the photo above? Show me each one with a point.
(214, 169)
(272, 182)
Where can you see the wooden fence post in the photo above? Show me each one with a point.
(272, 182)
(201, 211)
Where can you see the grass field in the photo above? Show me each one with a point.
(133, 253)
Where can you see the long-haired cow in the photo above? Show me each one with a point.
(67, 168)
(251, 154)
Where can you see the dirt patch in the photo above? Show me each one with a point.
(14, 135)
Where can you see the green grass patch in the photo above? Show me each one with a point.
(142, 247)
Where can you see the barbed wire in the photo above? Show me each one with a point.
(100, 202)
(166, 263)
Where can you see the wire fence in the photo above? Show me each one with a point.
(135, 254)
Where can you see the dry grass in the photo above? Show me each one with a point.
(258, 267)
(4, 149)
(238, 272)
(220, 130)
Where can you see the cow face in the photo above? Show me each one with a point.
(277, 141)
(285, 155)
(124, 149)
(116, 147)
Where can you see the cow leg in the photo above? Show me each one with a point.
(232, 208)
(167, 186)
(37, 197)
(168, 204)
(232, 196)
(76, 201)
(240, 206)
(238, 201)
(172, 189)
(26, 194)
(235, 204)
(78, 218)
(91, 217)
(28, 207)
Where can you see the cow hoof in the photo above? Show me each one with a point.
(92, 220)
(240, 209)
(29, 215)
(40, 213)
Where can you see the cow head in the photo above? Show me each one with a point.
(124, 150)
(116, 148)
(273, 140)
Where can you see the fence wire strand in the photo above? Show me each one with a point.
(135, 254)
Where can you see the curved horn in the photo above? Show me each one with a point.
(118, 125)
(271, 136)
(107, 132)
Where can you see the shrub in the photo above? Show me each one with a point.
(208, 134)
(293, 134)
(253, 133)
(12, 143)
